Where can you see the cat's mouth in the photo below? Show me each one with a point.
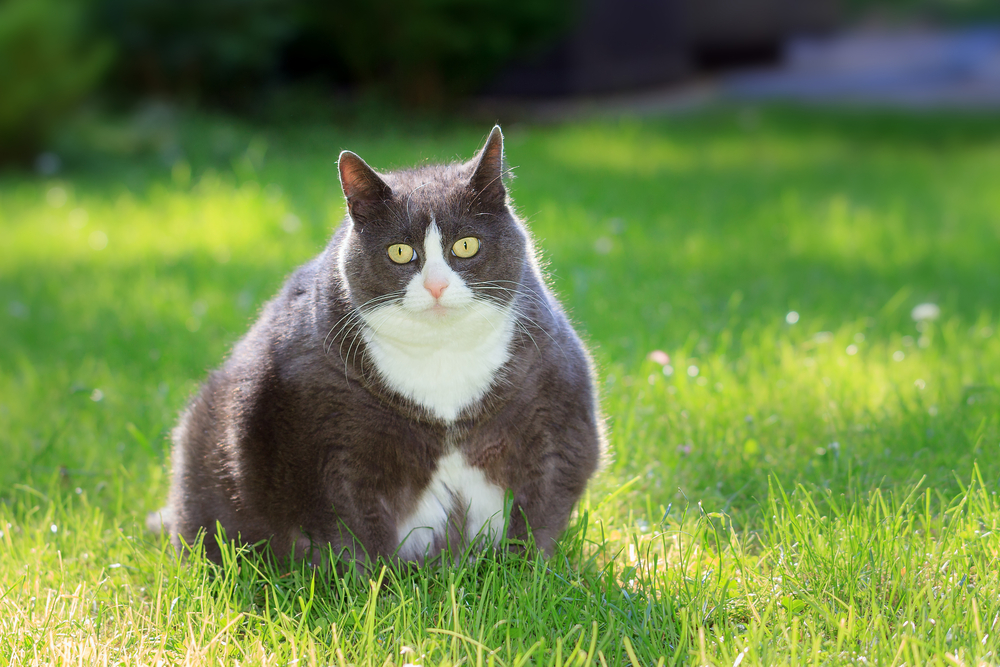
(437, 312)
(431, 311)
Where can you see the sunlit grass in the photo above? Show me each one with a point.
(781, 489)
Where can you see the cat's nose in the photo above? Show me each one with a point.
(436, 286)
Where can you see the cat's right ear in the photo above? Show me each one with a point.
(364, 190)
(487, 179)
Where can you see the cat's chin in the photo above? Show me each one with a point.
(437, 312)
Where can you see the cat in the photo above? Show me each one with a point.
(415, 389)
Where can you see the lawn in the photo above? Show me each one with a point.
(811, 478)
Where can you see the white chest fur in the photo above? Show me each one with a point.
(441, 352)
(459, 489)
(443, 369)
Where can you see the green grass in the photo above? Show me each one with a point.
(817, 492)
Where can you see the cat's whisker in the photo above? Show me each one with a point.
(342, 331)
(518, 287)
(358, 332)
(353, 312)
(524, 330)
(356, 327)
(515, 295)
(375, 329)
(356, 324)
(352, 318)
(326, 350)
(355, 330)
(519, 318)
(380, 300)
(497, 288)
(523, 317)
(528, 295)
(527, 291)
(388, 315)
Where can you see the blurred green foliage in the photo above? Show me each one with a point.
(429, 50)
(53, 53)
(193, 48)
(50, 60)
(409, 50)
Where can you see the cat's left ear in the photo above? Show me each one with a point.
(487, 179)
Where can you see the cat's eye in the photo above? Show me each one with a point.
(466, 247)
(401, 253)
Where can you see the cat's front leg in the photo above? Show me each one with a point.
(354, 530)
(556, 480)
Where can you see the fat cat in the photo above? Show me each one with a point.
(414, 389)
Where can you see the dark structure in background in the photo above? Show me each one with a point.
(617, 45)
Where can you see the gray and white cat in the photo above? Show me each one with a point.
(398, 388)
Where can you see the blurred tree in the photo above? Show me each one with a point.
(425, 51)
(410, 50)
(219, 50)
(49, 62)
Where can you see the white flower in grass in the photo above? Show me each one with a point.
(659, 356)
(925, 311)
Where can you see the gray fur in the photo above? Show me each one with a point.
(296, 441)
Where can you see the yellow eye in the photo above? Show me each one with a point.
(401, 253)
(466, 247)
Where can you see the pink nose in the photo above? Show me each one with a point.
(436, 286)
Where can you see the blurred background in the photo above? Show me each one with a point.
(66, 60)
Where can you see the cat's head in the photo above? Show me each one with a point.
(432, 242)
